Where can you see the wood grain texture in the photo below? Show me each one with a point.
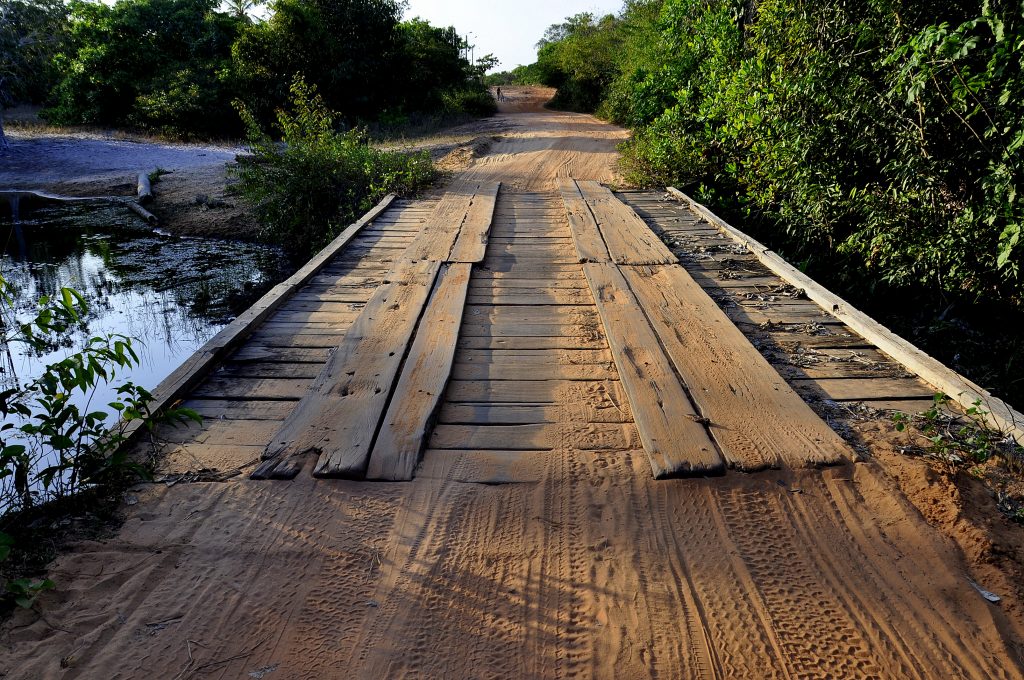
(471, 244)
(586, 237)
(756, 418)
(458, 228)
(437, 238)
(673, 437)
(339, 415)
(425, 374)
(629, 239)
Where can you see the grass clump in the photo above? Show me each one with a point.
(308, 186)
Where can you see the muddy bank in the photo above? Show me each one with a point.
(192, 199)
(195, 198)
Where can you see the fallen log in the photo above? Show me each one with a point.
(149, 217)
(144, 188)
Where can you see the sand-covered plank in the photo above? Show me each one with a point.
(670, 429)
(424, 376)
(629, 239)
(586, 237)
(756, 418)
(339, 415)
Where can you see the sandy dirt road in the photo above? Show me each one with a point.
(560, 563)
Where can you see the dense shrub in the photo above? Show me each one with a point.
(176, 66)
(317, 180)
(162, 65)
(475, 102)
(876, 142)
(31, 32)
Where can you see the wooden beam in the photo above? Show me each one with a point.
(1001, 415)
(339, 415)
(754, 415)
(471, 244)
(672, 433)
(437, 238)
(424, 376)
(586, 237)
(629, 239)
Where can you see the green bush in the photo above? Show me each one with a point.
(53, 449)
(475, 102)
(317, 180)
(117, 69)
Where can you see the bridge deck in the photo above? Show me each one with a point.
(531, 367)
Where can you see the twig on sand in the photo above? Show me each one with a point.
(191, 669)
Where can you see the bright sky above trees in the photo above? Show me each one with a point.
(507, 28)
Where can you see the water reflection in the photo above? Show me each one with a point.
(171, 294)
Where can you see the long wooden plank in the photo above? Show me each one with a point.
(961, 390)
(535, 437)
(859, 389)
(471, 245)
(409, 416)
(552, 371)
(756, 418)
(586, 237)
(629, 239)
(339, 415)
(439, 234)
(671, 431)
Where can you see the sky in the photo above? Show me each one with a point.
(507, 28)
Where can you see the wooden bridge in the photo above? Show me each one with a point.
(488, 324)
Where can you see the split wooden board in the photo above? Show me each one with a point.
(756, 418)
(672, 433)
(590, 247)
(425, 374)
(457, 230)
(628, 238)
(339, 415)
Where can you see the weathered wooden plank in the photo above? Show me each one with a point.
(590, 246)
(508, 278)
(483, 371)
(670, 429)
(405, 426)
(224, 409)
(261, 369)
(339, 317)
(530, 314)
(524, 414)
(860, 389)
(519, 329)
(627, 236)
(221, 432)
(571, 296)
(437, 238)
(535, 357)
(535, 437)
(273, 389)
(504, 391)
(756, 418)
(529, 342)
(339, 415)
(253, 351)
(499, 414)
(471, 245)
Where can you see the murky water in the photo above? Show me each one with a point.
(170, 294)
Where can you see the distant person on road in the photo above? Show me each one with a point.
(499, 97)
